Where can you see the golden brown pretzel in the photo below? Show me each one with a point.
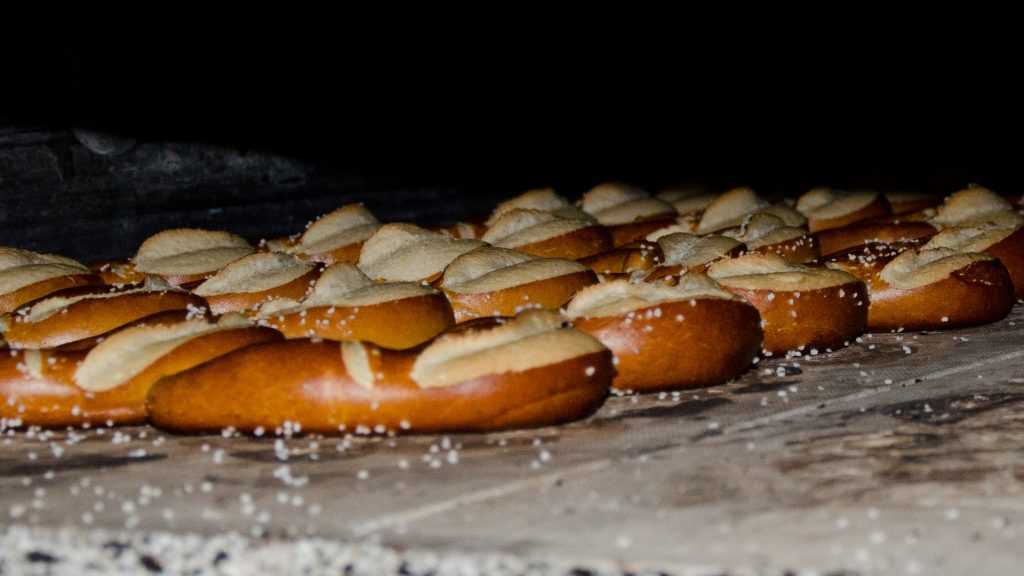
(257, 279)
(110, 382)
(528, 372)
(660, 334)
(801, 307)
(492, 281)
(928, 289)
(58, 320)
(346, 305)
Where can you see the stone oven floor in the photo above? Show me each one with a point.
(902, 454)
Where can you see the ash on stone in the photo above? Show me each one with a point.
(41, 557)
(150, 563)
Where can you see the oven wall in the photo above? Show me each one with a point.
(91, 196)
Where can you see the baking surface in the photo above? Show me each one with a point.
(900, 454)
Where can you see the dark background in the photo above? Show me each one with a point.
(463, 108)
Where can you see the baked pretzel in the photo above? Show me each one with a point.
(109, 383)
(926, 288)
(28, 276)
(334, 237)
(801, 307)
(826, 208)
(628, 211)
(408, 253)
(257, 279)
(346, 305)
(187, 255)
(489, 375)
(59, 320)
(492, 281)
(660, 333)
(548, 235)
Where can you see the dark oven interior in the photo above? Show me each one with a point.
(124, 120)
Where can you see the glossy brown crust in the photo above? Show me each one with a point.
(280, 243)
(307, 383)
(395, 324)
(625, 259)
(88, 318)
(572, 246)
(246, 301)
(838, 239)
(550, 294)
(913, 205)
(827, 318)
(72, 292)
(1010, 251)
(976, 294)
(117, 271)
(670, 274)
(802, 249)
(979, 293)
(668, 346)
(880, 207)
(867, 260)
(623, 234)
(923, 215)
(166, 317)
(13, 300)
(55, 400)
(348, 253)
(122, 271)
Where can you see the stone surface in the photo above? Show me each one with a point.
(897, 455)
